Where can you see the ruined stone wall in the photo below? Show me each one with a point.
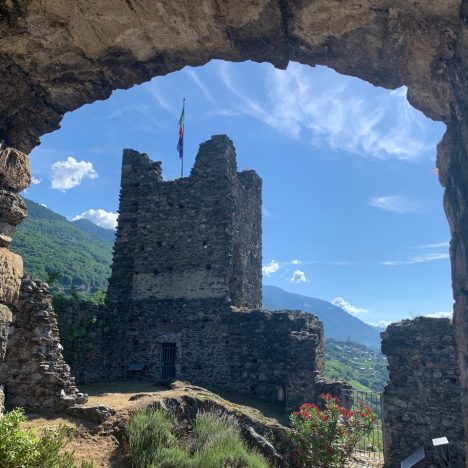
(422, 400)
(34, 371)
(187, 270)
(255, 352)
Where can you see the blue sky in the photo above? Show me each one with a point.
(352, 208)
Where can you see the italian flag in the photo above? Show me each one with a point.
(180, 144)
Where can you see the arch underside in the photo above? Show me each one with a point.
(58, 55)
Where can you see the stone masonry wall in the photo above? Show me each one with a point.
(421, 401)
(34, 371)
(184, 238)
(255, 352)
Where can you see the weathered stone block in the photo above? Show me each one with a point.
(11, 271)
(15, 173)
(5, 314)
(12, 208)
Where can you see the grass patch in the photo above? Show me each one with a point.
(215, 441)
(26, 448)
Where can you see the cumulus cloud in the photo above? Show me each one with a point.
(298, 277)
(346, 306)
(270, 268)
(336, 111)
(70, 173)
(395, 204)
(103, 218)
(35, 180)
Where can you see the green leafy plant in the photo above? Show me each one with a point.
(218, 443)
(327, 438)
(215, 442)
(25, 448)
(151, 440)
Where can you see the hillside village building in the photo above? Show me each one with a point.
(185, 290)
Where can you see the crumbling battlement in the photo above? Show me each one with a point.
(422, 400)
(192, 238)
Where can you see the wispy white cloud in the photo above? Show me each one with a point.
(270, 268)
(330, 109)
(396, 204)
(70, 173)
(266, 213)
(155, 90)
(196, 79)
(380, 323)
(429, 257)
(298, 276)
(440, 315)
(296, 262)
(346, 306)
(437, 245)
(421, 254)
(36, 180)
(100, 217)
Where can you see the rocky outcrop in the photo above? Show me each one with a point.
(34, 372)
(14, 177)
(14, 170)
(55, 59)
(260, 433)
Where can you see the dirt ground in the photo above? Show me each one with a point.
(99, 444)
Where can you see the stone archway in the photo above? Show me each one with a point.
(58, 55)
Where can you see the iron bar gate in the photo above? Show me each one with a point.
(370, 449)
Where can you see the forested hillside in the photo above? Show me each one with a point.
(363, 368)
(50, 243)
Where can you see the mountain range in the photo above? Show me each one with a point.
(337, 323)
(81, 252)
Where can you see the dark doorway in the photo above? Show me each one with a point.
(168, 357)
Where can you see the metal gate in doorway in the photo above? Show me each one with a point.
(370, 449)
(168, 361)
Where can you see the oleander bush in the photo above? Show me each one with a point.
(327, 438)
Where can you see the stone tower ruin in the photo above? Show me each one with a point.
(193, 238)
(184, 297)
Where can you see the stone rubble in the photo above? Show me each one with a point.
(33, 371)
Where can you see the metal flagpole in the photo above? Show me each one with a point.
(183, 135)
